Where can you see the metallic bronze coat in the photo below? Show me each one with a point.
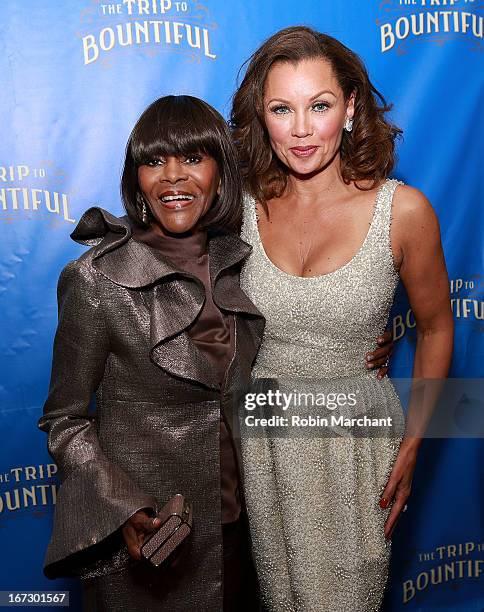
(123, 315)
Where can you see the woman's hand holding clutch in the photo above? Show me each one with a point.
(135, 531)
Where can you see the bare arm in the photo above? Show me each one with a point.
(424, 275)
(417, 247)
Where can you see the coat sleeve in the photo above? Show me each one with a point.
(95, 497)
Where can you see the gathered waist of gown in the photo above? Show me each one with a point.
(330, 360)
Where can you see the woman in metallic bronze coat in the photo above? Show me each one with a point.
(153, 321)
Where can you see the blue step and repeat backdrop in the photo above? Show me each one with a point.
(75, 76)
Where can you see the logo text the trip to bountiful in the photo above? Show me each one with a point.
(150, 26)
(25, 189)
(406, 21)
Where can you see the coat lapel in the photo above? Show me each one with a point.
(174, 307)
(173, 297)
(226, 253)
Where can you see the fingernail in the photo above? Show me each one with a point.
(380, 340)
(383, 503)
(369, 357)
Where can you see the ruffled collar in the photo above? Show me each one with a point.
(176, 297)
(134, 264)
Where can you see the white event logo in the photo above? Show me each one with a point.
(148, 25)
(403, 21)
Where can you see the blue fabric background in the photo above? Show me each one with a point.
(65, 123)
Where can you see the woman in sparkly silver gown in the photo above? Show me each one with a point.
(331, 235)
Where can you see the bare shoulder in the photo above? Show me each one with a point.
(411, 202)
(412, 212)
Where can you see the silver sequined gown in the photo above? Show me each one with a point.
(316, 524)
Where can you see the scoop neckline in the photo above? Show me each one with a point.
(328, 274)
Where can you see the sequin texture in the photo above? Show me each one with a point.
(317, 528)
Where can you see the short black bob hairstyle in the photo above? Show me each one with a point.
(182, 126)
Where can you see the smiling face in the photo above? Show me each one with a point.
(179, 190)
(305, 112)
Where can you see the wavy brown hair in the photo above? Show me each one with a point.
(367, 153)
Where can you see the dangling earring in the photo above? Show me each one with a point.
(144, 209)
(144, 213)
(348, 124)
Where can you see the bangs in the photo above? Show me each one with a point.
(183, 126)
(176, 125)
